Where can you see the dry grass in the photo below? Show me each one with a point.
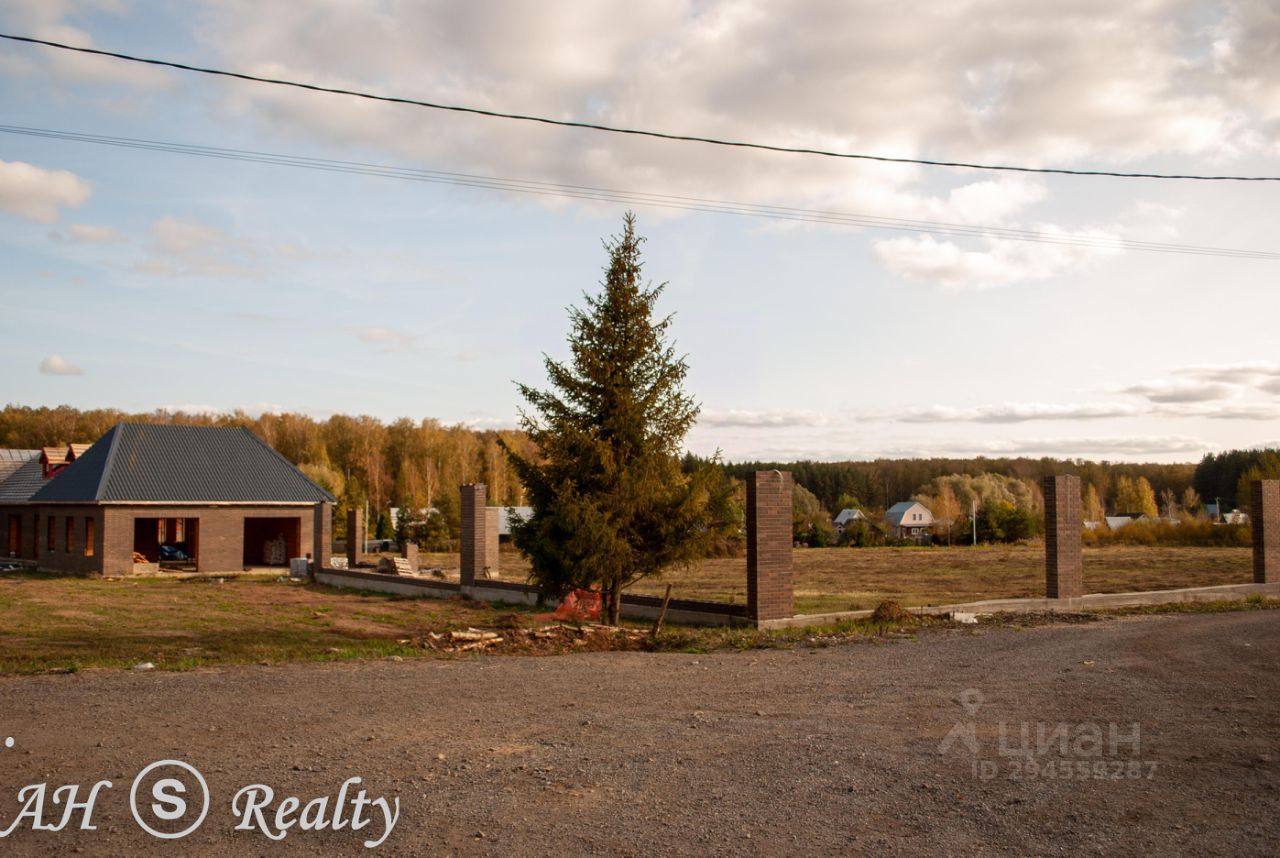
(842, 579)
(49, 622)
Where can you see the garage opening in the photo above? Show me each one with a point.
(271, 541)
(172, 543)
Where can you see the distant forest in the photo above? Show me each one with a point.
(420, 464)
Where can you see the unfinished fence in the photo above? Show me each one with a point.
(770, 585)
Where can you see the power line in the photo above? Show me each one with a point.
(591, 126)
(613, 195)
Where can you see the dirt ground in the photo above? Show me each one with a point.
(879, 748)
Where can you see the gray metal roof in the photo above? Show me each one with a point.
(898, 511)
(12, 460)
(165, 463)
(22, 483)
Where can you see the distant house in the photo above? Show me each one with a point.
(1212, 511)
(1124, 519)
(908, 520)
(1236, 517)
(504, 519)
(847, 516)
(211, 499)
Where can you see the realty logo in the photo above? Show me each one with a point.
(171, 783)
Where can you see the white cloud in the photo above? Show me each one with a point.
(1222, 410)
(36, 193)
(388, 339)
(1016, 412)
(47, 19)
(1243, 372)
(1178, 391)
(175, 237)
(1084, 447)
(773, 418)
(58, 365)
(998, 262)
(186, 248)
(990, 80)
(93, 234)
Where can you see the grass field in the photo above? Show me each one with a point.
(66, 623)
(49, 622)
(844, 579)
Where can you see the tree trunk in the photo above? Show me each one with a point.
(614, 597)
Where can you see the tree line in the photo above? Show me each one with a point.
(878, 484)
(361, 460)
(368, 463)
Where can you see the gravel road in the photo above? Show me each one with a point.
(780, 752)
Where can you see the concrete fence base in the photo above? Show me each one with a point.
(1090, 602)
(634, 607)
(695, 613)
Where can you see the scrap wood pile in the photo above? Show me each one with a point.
(551, 638)
(139, 557)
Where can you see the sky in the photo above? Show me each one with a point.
(140, 280)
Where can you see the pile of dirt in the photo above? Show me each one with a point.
(543, 640)
(890, 612)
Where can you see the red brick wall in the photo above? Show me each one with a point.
(322, 535)
(220, 536)
(35, 545)
(474, 531)
(491, 540)
(355, 536)
(1264, 515)
(1063, 549)
(769, 582)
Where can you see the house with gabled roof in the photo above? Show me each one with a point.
(209, 499)
(909, 520)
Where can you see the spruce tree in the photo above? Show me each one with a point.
(611, 503)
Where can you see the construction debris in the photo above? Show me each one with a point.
(552, 638)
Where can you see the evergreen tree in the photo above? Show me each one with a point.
(611, 502)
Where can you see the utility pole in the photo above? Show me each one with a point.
(973, 516)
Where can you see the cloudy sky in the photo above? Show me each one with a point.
(142, 279)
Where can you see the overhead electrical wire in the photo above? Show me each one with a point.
(592, 126)
(668, 201)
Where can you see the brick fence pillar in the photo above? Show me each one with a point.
(491, 522)
(355, 536)
(1264, 514)
(769, 546)
(1063, 552)
(322, 536)
(473, 533)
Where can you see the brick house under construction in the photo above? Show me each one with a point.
(209, 499)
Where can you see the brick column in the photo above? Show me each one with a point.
(322, 536)
(1264, 514)
(473, 533)
(769, 546)
(491, 538)
(1063, 553)
(355, 536)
